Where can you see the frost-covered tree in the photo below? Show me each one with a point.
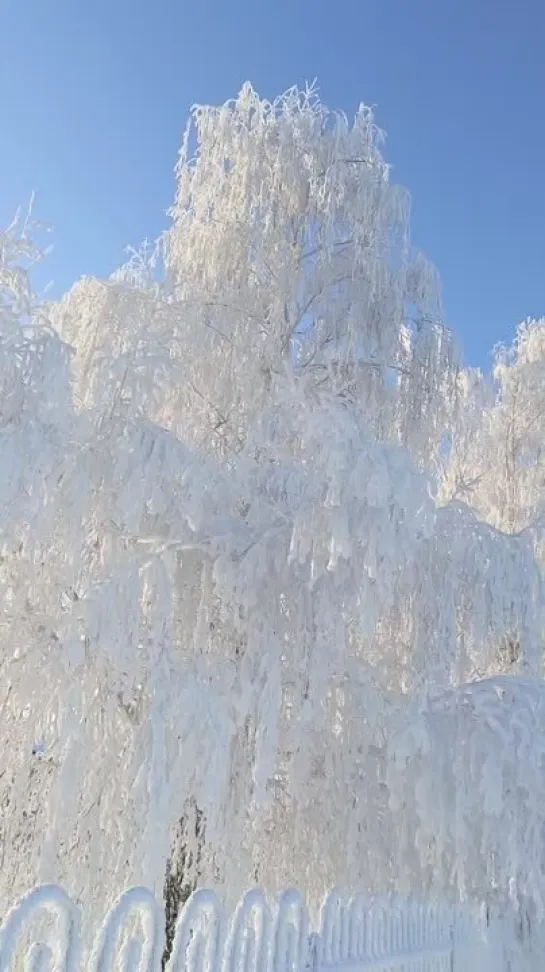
(225, 575)
(289, 255)
(496, 459)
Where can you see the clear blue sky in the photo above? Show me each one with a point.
(95, 94)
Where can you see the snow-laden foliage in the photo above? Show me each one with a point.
(474, 821)
(226, 576)
(488, 808)
(497, 463)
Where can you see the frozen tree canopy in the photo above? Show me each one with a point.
(504, 417)
(232, 560)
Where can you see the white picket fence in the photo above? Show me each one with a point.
(42, 934)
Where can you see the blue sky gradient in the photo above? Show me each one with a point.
(96, 93)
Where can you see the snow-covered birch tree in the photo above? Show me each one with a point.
(225, 573)
(496, 463)
(496, 460)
